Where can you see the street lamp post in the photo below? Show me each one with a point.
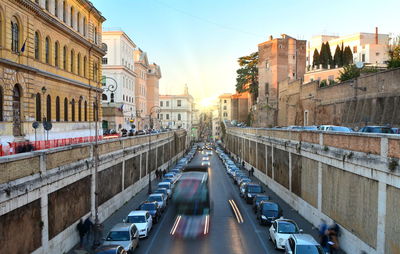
(154, 109)
(97, 226)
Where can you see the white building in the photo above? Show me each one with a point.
(119, 70)
(216, 128)
(176, 111)
(224, 107)
(369, 48)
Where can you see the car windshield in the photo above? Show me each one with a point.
(118, 236)
(287, 228)
(309, 249)
(270, 207)
(261, 198)
(148, 207)
(160, 191)
(337, 128)
(254, 189)
(165, 186)
(136, 219)
(155, 198)
(379, 130)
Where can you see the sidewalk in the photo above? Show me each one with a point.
(115, 218)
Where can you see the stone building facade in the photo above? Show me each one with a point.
(279, 59)
(225, 107)
(50, 67)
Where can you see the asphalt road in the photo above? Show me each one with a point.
(226, 234)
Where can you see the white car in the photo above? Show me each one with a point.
(166, 185)
(142, 220)
(159, 198)
(281, 230)
(205, 163)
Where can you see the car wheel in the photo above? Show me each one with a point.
(276, 246)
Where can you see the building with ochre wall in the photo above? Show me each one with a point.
(225, 107)
(50, 68)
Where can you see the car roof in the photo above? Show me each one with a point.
(133, 213)
(155, 194)
(164, 182)
(304, 239)
(285, 220)
(121, 227)
(253, 184)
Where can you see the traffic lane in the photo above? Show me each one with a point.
(226, 235)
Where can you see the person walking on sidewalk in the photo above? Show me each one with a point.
(81, 230)
(252, 171)
(88, 224)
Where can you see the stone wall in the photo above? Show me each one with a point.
(52, 189)
(353, 179)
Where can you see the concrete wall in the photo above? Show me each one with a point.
(353, 179)
(52, 189)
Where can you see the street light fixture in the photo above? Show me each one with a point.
(154, 109)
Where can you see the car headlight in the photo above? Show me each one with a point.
(263, 217)
(249, 195)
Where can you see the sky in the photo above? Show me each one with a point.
(198, 42)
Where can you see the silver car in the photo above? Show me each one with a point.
(125, 235)
(160, 199)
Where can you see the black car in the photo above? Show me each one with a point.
(153, 209)
(251, 190)
(140, 132)
(110, 249)
(377, 129)
(257, 199)
(268, 211)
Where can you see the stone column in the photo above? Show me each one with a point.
(380, 241)
(290, 171)
(319, 192)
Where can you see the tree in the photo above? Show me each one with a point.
(247, 75)
(347, 56)
(316, 58)
(328, 54)
(338, 59)
(349, 72)
(323, 58)
(394, 54)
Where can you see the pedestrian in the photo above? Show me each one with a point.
(252, 171)
(88, 224)
(81, 230)
(163, 172)
(157, 174)
(243, 163)
(323, 236)
(333, 236)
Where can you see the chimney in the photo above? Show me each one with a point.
(376, 35)
(271, 38)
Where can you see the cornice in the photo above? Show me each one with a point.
(59, 25)
(49, 75)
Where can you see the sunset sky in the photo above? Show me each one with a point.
(197, 42)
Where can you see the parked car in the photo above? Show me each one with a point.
(280, 231)
(140, 132)
(377, 129)
(302, 244)
(125, 235)
(268, 211)
(162, 191)
(153, 209)
(335, 128)
(110, 249)
(251, 190)
(161, 199)
(205, 163)
(396, 130)
(142, 220)
(166, 185)
(257, 199)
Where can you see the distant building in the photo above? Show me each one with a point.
(152, 84)
(225, 107)
(118, 70)
(50, 69)
(279, 59)
(216, 125)
(240, 106)
(369, 48)
(176, 110)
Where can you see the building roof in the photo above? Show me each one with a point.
(119, 32)
(245, 95)
(225, 95)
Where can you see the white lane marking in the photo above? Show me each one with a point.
(235, 209)
(156, 233)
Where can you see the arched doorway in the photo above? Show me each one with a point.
(16, 105)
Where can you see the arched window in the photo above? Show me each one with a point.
(73, 110)
(72, 17)
(38, 108)
(47, 48)
(1, 104)
(112, 97)
(64, 11)
(66, 109)
(58, 109)
(80, 110)
(56, 53)
(14, 35)
(47, 5)
(95, 72)
(78, 22)
(104, 97)
(95, 35)
(48, 108)
(79, 64)
(65, 58)
(85, 109)
(85, 66)
(123, 97)
(37, 46)
(72, 61)
(84, 26)
(179, 117)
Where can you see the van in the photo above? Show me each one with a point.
(125, 235)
